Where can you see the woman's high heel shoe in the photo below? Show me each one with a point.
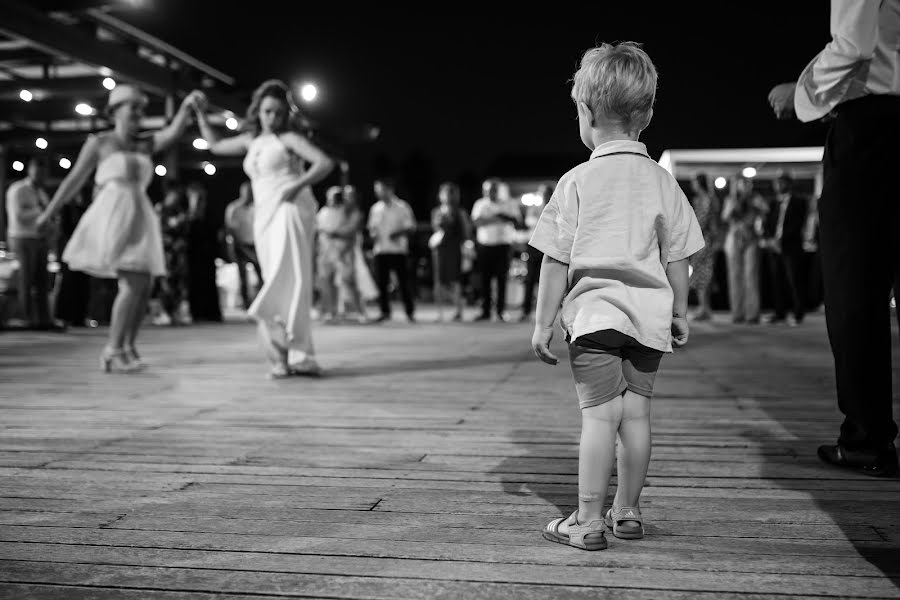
(116, 361)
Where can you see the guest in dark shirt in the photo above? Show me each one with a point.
(782, 243)
(73, 293)
(203, 295)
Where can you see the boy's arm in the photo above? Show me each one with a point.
(677, 274)
(552, 285)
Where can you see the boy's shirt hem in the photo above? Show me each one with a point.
(617, 220)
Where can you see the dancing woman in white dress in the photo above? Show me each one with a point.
(283, 223)
(119, 237)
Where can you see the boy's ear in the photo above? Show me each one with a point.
(586, 113)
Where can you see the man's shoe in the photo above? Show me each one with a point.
(483, 317)
(383, 318)
(874, 464)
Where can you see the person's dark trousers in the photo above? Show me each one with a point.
(859, 221)
(245, 254)
(535, 257)
(33, 280)
(74, 296)
(398, 264)
(494, 264)
(203, 293)
(785, 269)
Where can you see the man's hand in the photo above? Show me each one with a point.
(540, 343)
(781, 98)
(680, 331)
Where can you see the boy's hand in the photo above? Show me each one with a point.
(680, 331)
(540, 343)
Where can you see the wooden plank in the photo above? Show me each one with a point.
(583, 574)
(807, 557)
(319, 586)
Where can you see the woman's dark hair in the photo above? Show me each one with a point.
(388, 182)
(273, 88)
(702, 180)
(453, 190)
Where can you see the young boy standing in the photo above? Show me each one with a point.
(616, 236)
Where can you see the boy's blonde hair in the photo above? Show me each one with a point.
(618, 83)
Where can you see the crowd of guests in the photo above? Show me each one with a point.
(363, 258)
(73, 298)
(764, 237)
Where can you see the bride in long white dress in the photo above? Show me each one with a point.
(283, 222)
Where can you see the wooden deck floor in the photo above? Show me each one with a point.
(423, 467)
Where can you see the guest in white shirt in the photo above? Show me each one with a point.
(25, 200)
(391, 222)
(495, 227)
(856, 78)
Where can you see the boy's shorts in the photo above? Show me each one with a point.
(607, 363)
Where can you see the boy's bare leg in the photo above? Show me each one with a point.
(634, 450)
(597, 454)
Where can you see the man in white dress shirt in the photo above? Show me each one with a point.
(25, 200)
(495, 227)
(856, 78)
(391, 222)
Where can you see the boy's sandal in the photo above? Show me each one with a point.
(616, 521)
(589, 536)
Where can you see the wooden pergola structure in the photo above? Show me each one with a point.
(56, 56)
(801, 163)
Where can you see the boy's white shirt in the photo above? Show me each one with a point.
(617, 221)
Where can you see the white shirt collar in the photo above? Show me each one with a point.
(620, 146)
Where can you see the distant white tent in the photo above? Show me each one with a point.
(799, 162)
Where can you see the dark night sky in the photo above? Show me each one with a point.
(464, 86)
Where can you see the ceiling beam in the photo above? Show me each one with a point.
(56, 108)
(85, 87)
(30, 55)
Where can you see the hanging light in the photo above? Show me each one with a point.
(83, 109)
(309, 92)
(231, 123)
(65, 163)
(209, 168)
(109, 83)
(201, 144)
(720, 183)
(160, 170)
(18, 165)
(26, 95)
(749, 172)
(41, 143)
